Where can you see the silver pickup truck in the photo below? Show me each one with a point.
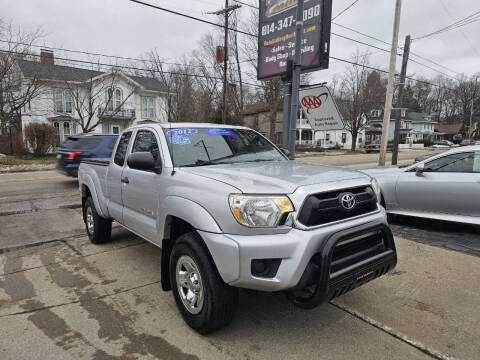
(230, 210)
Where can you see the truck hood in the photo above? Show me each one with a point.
(276, 177)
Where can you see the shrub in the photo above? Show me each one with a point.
(40, 138)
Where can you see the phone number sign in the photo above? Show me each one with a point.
(276, 36)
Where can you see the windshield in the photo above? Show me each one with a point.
(209, 146)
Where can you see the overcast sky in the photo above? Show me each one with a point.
(123, 28)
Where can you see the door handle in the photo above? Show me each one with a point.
(125, 180)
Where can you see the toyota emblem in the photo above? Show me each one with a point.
(347, 200)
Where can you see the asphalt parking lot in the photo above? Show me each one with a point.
(62, 297)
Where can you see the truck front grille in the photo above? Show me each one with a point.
(323, 208)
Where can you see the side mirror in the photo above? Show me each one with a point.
(286, 152)
(420, 169)
(143, 161)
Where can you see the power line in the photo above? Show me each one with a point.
(246, 4)
(221, 26)
(462, 22)
(428, 67)
(461, 30)
(126, 67)
(363, 34)
(189, 16)
(116, 57)
(387, 43)
(346, 9)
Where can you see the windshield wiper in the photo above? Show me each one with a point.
(200, 163)
(230, 156)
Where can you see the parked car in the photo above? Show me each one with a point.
(374, 146)
(444, 187)
(467, 142)
(445, 143)
(230, 211)
(79, 147)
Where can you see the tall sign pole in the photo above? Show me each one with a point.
(390, 86)
(403, 75)
(287, 98)
(297, 66)
(225, 66)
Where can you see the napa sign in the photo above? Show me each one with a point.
(320, 109)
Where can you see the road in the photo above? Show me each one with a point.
(62, 297)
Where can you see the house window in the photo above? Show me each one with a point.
(118, 98)
(56, 125)
(148, 110)
(327, 137)
(113, 98)
(375, 113)
(66, 128)
(344, 138)
(63, 101)
(115, 129)
(404, 113)
(367, 137)
(68, 98)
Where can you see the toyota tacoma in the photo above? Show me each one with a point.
(230, 210)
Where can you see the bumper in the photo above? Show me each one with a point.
(233, 255)
(69, 169)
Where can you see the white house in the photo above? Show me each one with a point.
(111, 100)
(307, 136)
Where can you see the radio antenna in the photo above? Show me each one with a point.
(171, 147)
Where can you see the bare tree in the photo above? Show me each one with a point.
(95, 101)
(16, 92)
(359, 91)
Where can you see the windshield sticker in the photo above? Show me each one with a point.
(179, 140)
(219, 132)
(184, 132)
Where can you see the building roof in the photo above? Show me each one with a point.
(255, 109)
(421, 117)
(67, 73)
(450, 129)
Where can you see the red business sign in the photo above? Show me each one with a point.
(276, 35)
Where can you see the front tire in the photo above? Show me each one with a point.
(99, 230)
(204, 300)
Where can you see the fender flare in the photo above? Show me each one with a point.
(88, 182)
(189, 211)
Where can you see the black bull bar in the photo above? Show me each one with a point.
(330, 284)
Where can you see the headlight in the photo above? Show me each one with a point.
(376, 189)
(259, 210)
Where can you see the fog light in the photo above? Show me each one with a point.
(266, 268)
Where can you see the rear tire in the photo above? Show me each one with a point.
(204, 300)
(99, 230)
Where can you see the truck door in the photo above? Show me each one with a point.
(114, 178)
(142, 192)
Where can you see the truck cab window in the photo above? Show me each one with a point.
(145, 141)
(119, 158)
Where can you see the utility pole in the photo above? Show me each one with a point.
(390, 86)
(471, 114)
(297, 66)
(226, 12)
(403, 75)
